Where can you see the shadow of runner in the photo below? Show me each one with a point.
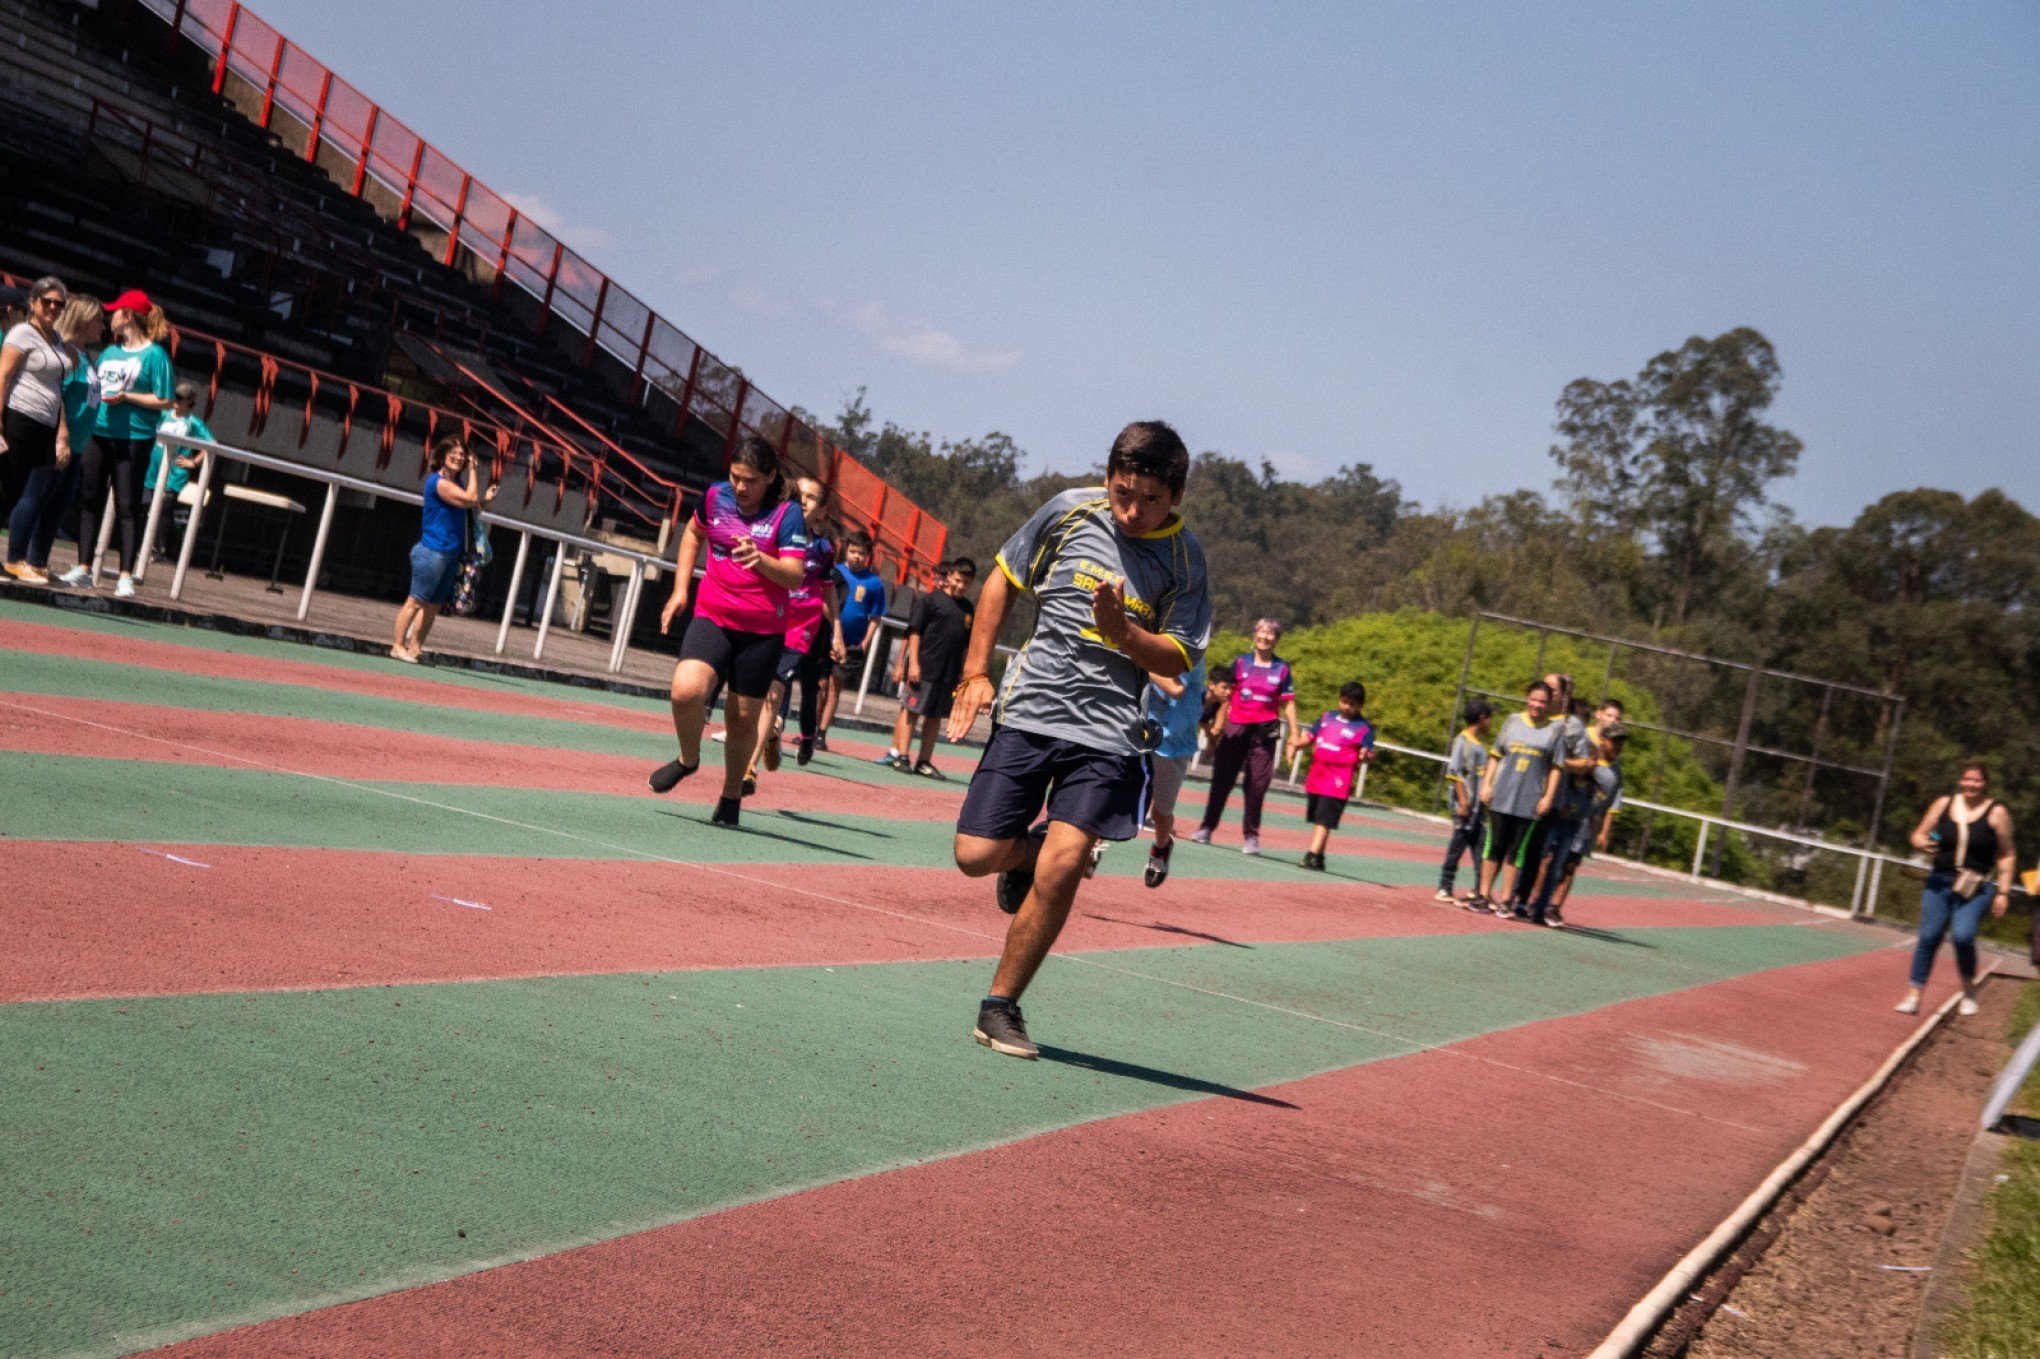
(1606, 936)
(807, 819)
(1168, 929)
(742, 829)
(1107, 1066)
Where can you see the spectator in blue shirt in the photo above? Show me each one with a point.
(860, 604)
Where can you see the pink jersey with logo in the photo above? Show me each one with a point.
(807, 603)
(1336, 754)
(732, 595)
(1258, 690)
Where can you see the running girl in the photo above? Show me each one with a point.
(757, 552)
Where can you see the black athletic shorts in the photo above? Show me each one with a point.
(1505, 834)
(744, 660)
(930, 698)
(812, 663)
(850, 670)
(1322, 809)
(1101, 792)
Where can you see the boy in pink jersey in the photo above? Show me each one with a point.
(1340, 742)
(756, 541)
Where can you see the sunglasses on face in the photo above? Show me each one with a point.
(49, 300)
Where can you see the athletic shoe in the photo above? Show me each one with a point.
(725, 813)
(1314, 862)
(748, 786)
(1965, 1006)
(78, 578)
(927, 770)
(667, 776)
(27, 574)
(1200, 836)
(1000, 1028)
(1502, 910)
(804, 750)
(822, 743)
(1478, 904)
(1157, 871)
(1909, 1006)
(1443, 896)
(769, 756)
(723, 735)
(407, 657)
(1014, 885)
(1091, 860)
(889, 760)
(124, 588)
(1251, 845)
(1553, 919)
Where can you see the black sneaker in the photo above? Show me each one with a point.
(1016, 883)
(1554, 918)
(1001, 1029)
(749, 786)
(822, 744)
(1314, 862)
(927, 770)
(804, 750)
(667, 776)
(1157, 865)
(725, 813)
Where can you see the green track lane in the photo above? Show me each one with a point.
(181, 1164)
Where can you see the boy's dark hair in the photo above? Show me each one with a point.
(1477, 712)
(857, 538)
(1354, 692)
(1149, 448)
(1222, 675)
(1612, 702)
(762, 458)
(964, 564)
(1534, 686)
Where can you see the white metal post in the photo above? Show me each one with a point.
(1700, 846)
(155, 519)
(191, 527)
(1856, 892)
(304, 606)
(870, 663)
(622, 615)
(516, 583)
(1876, 883)
(1360, 785)
(552, 593)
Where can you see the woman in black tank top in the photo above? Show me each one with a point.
(1969, 836)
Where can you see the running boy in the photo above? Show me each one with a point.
(930, 665)
(1119, 590)
(1340, 742)
(1465, 771)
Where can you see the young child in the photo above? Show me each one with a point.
(860, 603)
(930, 665)
(1465, 768)
(1119, 592)
(1340, 741)
(182, 419)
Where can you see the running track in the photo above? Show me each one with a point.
(354, 1008)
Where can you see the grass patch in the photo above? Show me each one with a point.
(2000, 1319)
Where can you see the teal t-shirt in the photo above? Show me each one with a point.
(81, 402)
(146, 370)
(190, 426)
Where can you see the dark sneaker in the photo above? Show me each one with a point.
(748, 786)
(725, 813)
(667, 776)
(804, 750)
(822, 744)
(927, 770)
(1314, 862)
(1001, 1029)
(1553, 919)
(1016, 883)
(1478, 904)
(1157, 865)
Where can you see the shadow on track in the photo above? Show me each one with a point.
(1107, 1066)
(1168, 929)
(830, 850)
(807, 819)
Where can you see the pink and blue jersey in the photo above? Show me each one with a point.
(1259, 690)
(734, 596)
(807, 603)
(1339, 745)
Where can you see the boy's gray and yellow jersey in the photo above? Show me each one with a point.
(1068, 682)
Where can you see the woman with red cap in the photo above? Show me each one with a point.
(136, 382)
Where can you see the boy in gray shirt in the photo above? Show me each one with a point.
(1119, 590)
(1522, 782)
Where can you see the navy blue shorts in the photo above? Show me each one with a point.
(433, 575)
(1100, 792)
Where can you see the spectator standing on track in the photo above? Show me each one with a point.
(136, 383)
(1574, 756)
(1592, 836)
(1465, 768)
(34, 365)
(47, 492)
(450, 493)
(814, 638)
(1519, 787)
(1568, 818)
(756, 540)
(1175, 705)
(1340, 741)
(1969, 835)
(1262, 712)
(930, 665)
(1119, 590)
(860, 603)
(1218, 693)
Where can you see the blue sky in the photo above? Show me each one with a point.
(1384, 233)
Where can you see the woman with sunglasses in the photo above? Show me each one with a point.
(47, 495)
(34, 362)
(135, 386)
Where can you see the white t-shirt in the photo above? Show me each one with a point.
(38, 387)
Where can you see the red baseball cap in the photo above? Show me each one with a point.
(134, 299)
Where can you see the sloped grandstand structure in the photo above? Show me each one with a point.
(343, 292)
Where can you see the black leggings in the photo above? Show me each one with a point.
(121, 462)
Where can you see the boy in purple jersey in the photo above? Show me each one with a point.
(756, 541)
(1340, 742)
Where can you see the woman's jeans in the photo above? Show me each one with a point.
(32, 528)
(1942, 912)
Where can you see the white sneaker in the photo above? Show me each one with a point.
(78, 578)
(1966, 1006)
(124, 588)
(1251, 845)
(1200, 836)
(1909, 1006)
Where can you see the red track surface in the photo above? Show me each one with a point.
(1429, 1206)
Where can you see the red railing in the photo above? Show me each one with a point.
(380, 160)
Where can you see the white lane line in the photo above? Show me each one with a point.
(471, 905)
(173, 858)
